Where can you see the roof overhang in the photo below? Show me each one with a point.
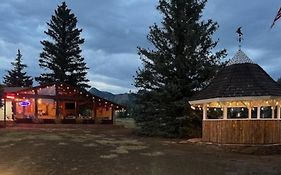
(229, 99)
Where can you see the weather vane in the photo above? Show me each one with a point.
(240, 36)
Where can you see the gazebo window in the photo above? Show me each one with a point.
(214, 113)
(266, 112)
(254, 112)
(237, 112)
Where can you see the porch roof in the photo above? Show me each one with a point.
(61, 91)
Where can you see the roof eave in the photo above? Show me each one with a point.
(227, 99)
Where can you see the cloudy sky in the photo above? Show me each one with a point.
(114, 28)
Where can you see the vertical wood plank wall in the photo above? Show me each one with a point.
(242, 131)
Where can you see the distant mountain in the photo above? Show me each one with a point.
(103, 94)
(126, 99)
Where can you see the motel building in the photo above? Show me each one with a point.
(55, 103)
(241, 105)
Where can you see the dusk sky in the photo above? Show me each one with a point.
(114, 28)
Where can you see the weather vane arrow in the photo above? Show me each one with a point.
(240, 36)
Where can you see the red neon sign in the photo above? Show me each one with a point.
(10, 96)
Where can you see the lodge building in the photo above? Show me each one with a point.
(56, 103)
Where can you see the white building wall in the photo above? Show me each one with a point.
(9, 111)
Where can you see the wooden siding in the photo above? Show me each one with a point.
(242, 131)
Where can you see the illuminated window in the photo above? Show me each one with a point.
(266, 112)
(214, 113)
(237, 112)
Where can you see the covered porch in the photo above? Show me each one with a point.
(58, 103)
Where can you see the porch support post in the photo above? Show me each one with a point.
(278, 112)
(57, 109)
(112, 115)
(225, 112)
(5, 110)
(36, 104)
(204, 112)
(249, 112)
(57, 104)
(258, 112)
(272, 112)
(76, 109)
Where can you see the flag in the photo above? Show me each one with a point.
(278, 16)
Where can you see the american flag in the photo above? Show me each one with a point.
(278, 16)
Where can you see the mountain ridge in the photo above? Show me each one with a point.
(126, 99)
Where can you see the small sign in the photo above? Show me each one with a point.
(24, 103)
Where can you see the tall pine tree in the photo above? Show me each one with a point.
(16, 77)
(180, 63)
(61, 57)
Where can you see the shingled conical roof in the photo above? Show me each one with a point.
(240, 78)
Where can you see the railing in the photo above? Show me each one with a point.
(261, 131)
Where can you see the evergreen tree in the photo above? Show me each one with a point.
(17, 77)
(180, 63)
(61, 57)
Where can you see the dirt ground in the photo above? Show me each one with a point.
(110, 150)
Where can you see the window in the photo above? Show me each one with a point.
(237, 112)
(254, 112)
(69, 105)
(266, 112)
(214, 113)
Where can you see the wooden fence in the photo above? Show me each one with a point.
(242, 131)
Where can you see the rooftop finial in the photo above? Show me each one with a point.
(240, 36)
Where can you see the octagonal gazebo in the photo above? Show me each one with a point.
(241, 105)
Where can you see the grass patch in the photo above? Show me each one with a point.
(126, 122)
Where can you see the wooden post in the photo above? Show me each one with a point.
(204, 112)
(5, 111)
(36, 104)
(112, 115)
(14, 107)
(272, 112)
(57, 104)
(225, 112)
(76, 109)
(249, 112)
(258, 112)
(278, 112)
(57, 109)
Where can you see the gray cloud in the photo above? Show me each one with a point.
(114, 28)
